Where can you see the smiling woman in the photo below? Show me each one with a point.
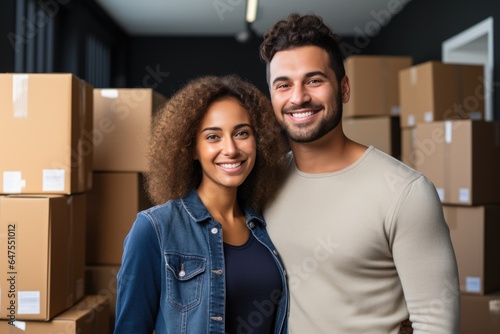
(201, 259)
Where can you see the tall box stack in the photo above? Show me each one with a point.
(46, 172)
(442, 110)
(122, 127)
(436, 91)
(371, 117)
(45, 134)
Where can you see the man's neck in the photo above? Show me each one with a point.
(331, 153)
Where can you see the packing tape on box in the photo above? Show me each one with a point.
(413, 76)
(448, 128)
(20, 95)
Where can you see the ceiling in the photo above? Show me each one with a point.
(227, 17)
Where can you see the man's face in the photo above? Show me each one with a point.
(306, 98)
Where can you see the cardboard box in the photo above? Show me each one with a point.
(462, 159)
(113, 206)
(435, 91)
(474, 233)
(480, 314)
(89, 316)
(383, 132)
(374, 82)
(122, 125)
(101, 280)
(41, 237)
(45, 134)
(408, 149)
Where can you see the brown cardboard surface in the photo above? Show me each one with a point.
(408, 146)
(44, 134)
(43, 271)
(480, 314)
(475, 232)
(374, 83)
(113, 206)
(101, 280)
(89, 316)
(383, 132)
(122, 123)
(435, 91)
(462, 159)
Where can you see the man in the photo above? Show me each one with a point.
(362, 235)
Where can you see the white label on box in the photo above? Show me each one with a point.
(472, 284)
(28, 302)
(395, 111)
(411, 120)
(13, 182)
(464, 195)
(447, 132)
(53, 179)
(494, 306)
(440, 192)
(428, 117)
(109, 93)
(20, 324)
(20, 95)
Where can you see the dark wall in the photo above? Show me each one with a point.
(167, 63)
(421, 27)
(7, 28)
(76, 20)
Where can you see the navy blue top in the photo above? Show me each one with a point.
(253, 284)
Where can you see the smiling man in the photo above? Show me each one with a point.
(362, 235)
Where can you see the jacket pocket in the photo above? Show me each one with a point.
(184, 280)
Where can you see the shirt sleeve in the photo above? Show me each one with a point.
(425, 260)
(139, 280)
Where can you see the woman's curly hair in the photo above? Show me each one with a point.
(296, 31)
(173, 171)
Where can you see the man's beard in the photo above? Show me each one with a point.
(325, 126)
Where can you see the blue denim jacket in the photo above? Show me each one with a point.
(172, 273)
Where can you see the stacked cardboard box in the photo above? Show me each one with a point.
(122, 119)
(445, 137)
(371, 117)
(88, 316)
(435, 91)
(46, 174)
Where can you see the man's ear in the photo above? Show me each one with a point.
(346, 89)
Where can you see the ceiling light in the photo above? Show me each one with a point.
(252, 10)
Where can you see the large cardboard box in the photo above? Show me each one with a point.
(44, 269)
(383, 132)
(462, 159)
(45, 134)
(374, 82)
(101, 280)
(89, 316)
(114, 203)
(475, 232)
(122, 125)
(480, 314)
(435, 91)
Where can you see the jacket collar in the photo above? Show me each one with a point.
(197, 210)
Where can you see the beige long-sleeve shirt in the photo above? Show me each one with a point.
(365, 248)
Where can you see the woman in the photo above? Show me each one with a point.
(201, 261)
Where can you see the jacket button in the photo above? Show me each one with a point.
(251, 225)
(214, 230)
(216, 318)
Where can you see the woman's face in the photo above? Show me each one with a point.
(225, 145)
